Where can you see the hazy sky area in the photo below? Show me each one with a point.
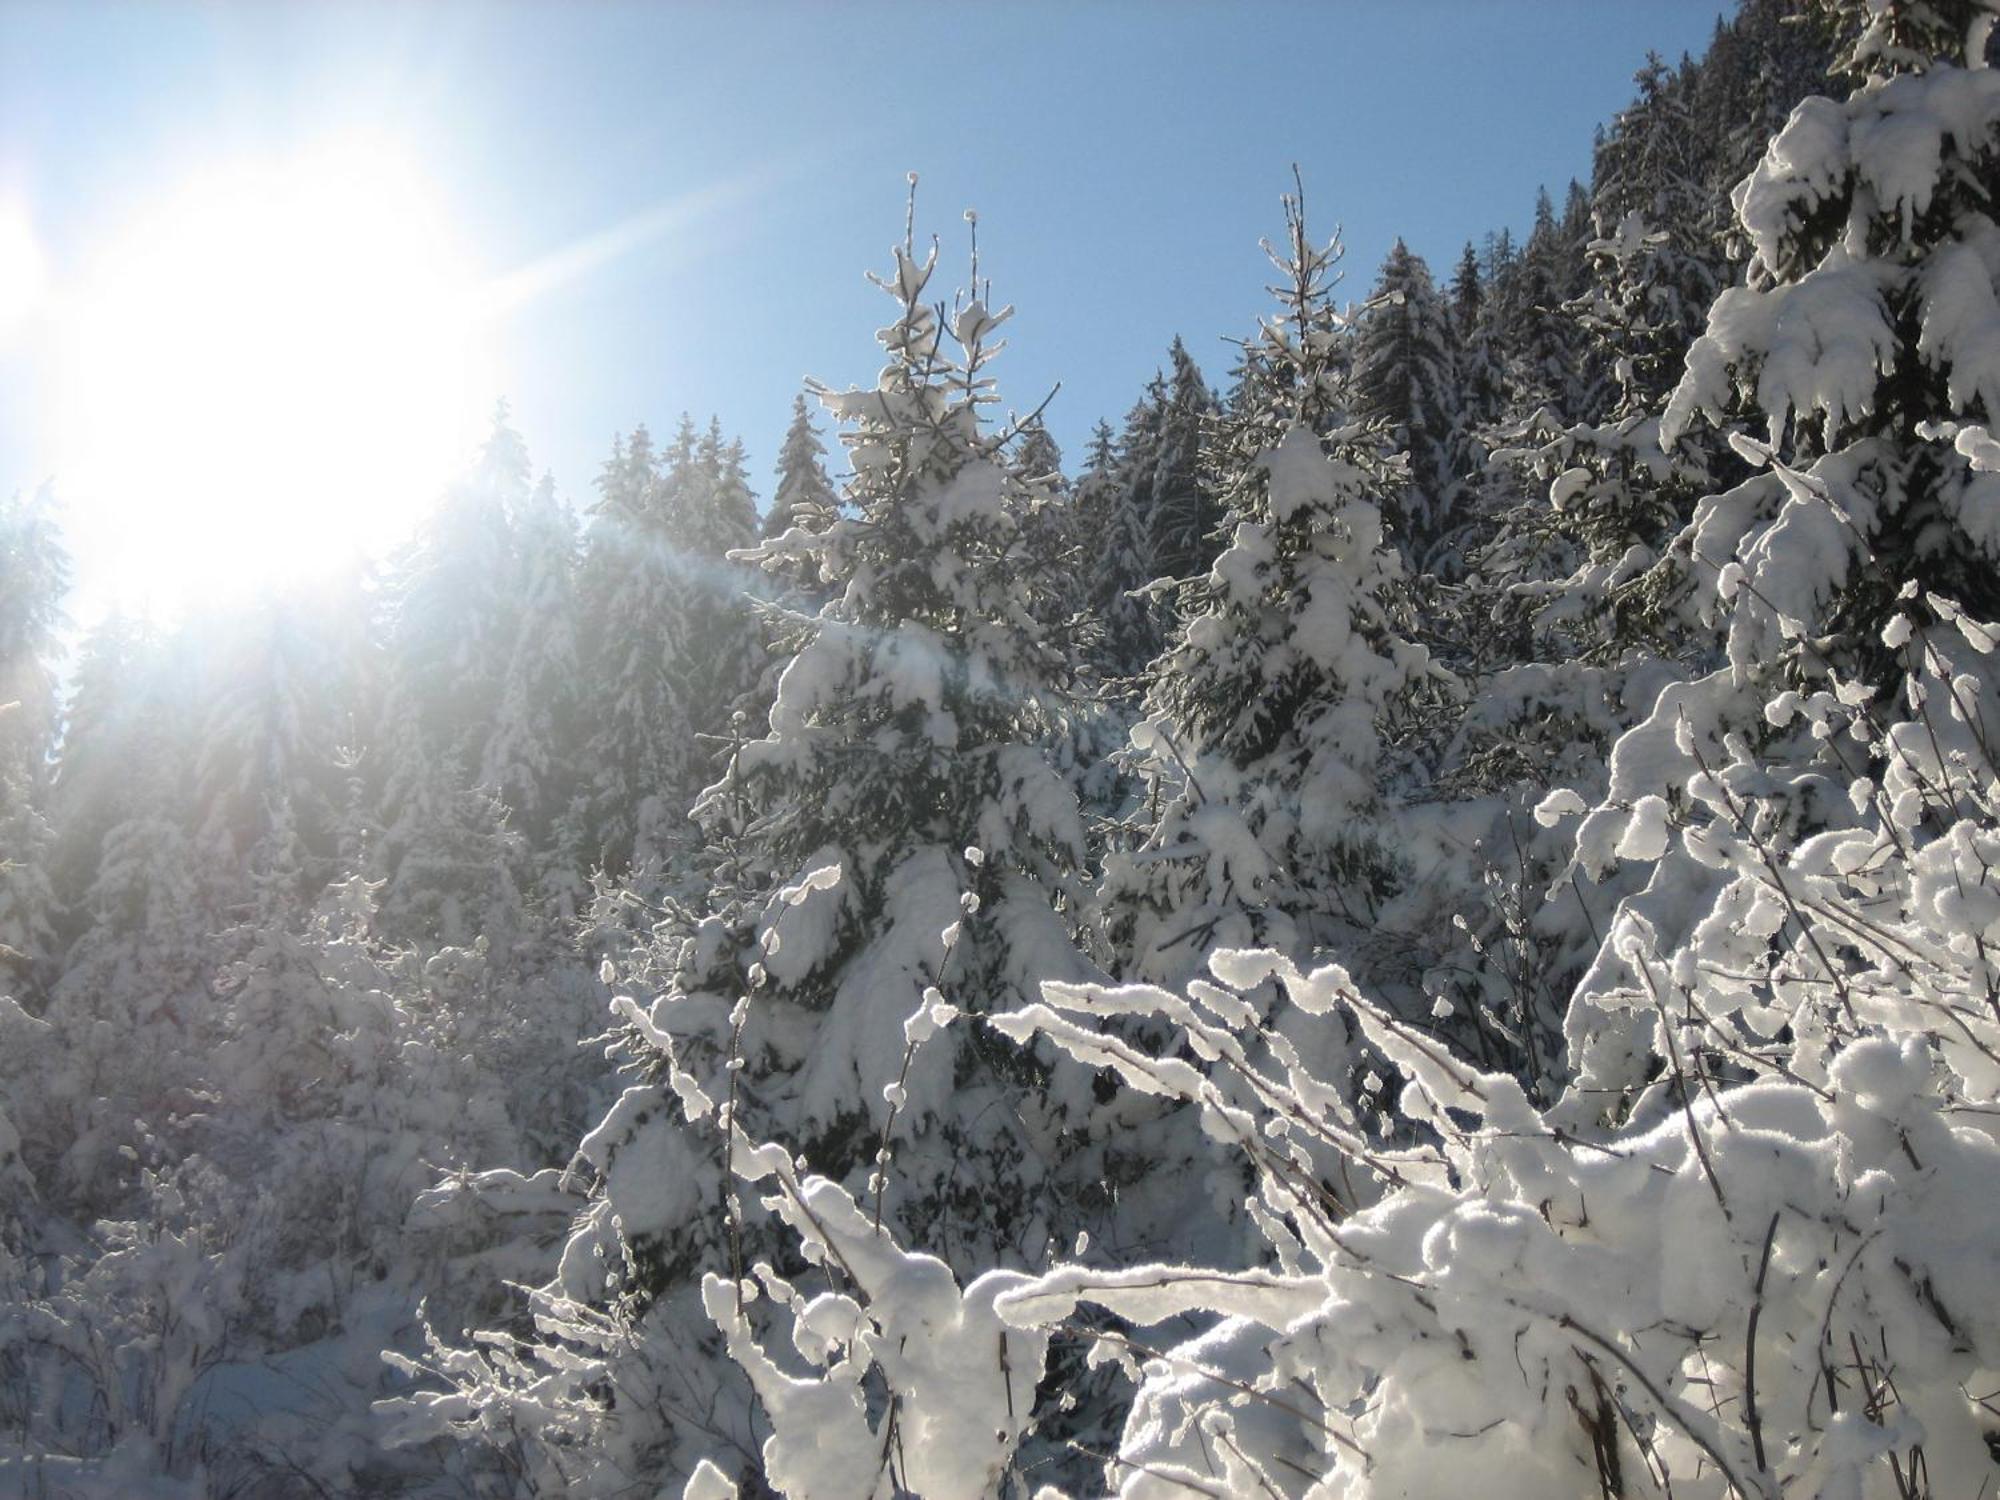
(671, 207)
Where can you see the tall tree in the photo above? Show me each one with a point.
(805, 498)
(639, 752)
(34, 575)
(1406, 381)
(898, 845)
(530, 757)
(1183, 513)
(1262, 741)
(1125, 562)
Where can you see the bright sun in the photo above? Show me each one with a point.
(273, 369)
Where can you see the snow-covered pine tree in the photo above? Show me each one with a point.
(1542, 355)
(898, 848)
(1183, 515)
(1131, 623)
(1654, 260)
(714, 515)
(1262, 747)
(130, 1013)
(456, 603)
(33, 579)
(907, 730)
(1094, 483)
(530, 756)
(34, 576)
(1761, 62)
(1405, 381)
(459, 868)
(1116, 626)
(805, 497)
(639, 753)
(1567, 570)
(1051, 546)
(277, 701)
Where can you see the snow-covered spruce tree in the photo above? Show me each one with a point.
(1567, 623)
(1655, 265)
(715, 515)
(638, 753)
(1051, 546)
(530, 756)
(897, 848)
(455, 606)
(1119, 491)
(1095, 484)
(1405, 381)
(1543, 362)
(1476, 363)
(1182, 513)
(1566, 575)
(277, 701)
(130, 1006)
(34, 576)
(673, 644)
(110, 699)
(1761, 62)
(460, 868)
(805, 497)
(1114, 626)
(1262, 747)
(1155, 514)
(1546, 377)
(1565, 587)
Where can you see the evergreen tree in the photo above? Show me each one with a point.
(896, 846)
(1051, 546)
(1182, 513)
(267, 782)
(34, 573)
(1406, 382)
(715, 517)
(1544, 362)
(805, 497)
(1131, 621)
(530, 756)
(639, 750)
(1474, 359)
(1262, 745)
(130, 1019)
(457, 601)
(1654, 260)
(34, 576)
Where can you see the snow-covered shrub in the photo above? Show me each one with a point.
(105, 1342)
(1779, 1286)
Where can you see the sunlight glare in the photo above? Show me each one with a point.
(274, 370)
(23, 275)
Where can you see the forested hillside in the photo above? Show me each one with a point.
(1421, 918)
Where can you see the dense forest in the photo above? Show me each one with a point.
(1422, 918)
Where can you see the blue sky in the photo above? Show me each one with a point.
(712, 181)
